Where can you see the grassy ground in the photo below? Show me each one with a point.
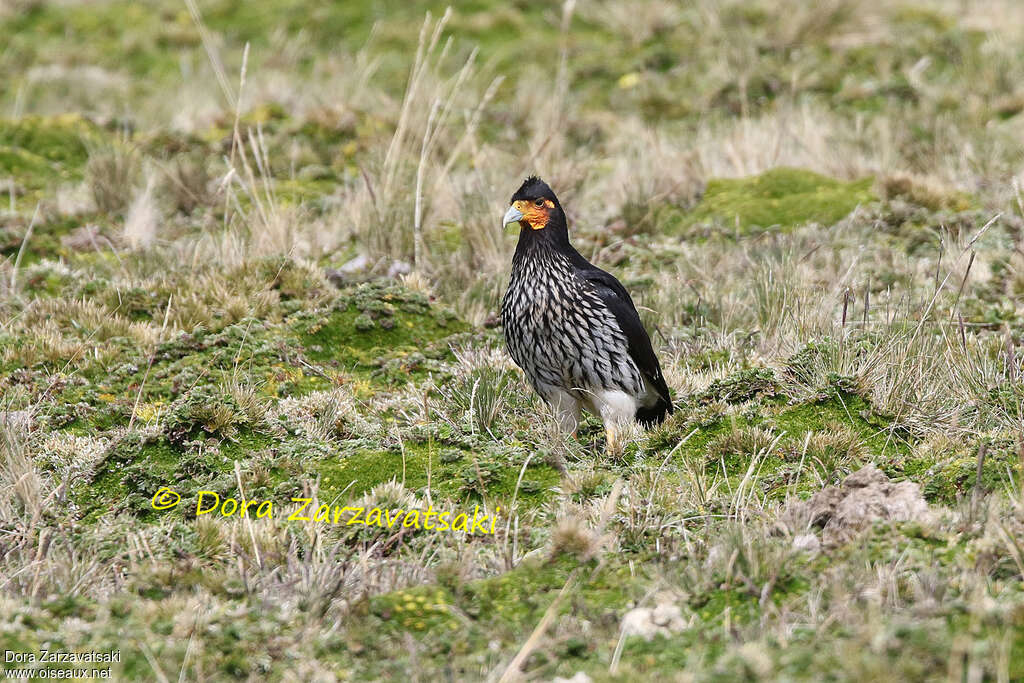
(252, 250)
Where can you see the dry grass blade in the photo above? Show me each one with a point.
(513, 671)
(21, 249)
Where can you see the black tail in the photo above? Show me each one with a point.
(656, 414)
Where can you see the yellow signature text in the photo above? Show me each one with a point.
(480, 522)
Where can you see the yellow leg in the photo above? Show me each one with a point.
(612, 438)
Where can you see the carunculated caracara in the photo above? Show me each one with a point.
(573, 328)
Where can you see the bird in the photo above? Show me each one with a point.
(573, 328)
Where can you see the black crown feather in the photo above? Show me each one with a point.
(533, 188)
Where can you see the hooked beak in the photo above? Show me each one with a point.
(513, 215)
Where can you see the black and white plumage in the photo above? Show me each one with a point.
(572, 327)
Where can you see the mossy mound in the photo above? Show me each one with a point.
(203, 412)
(745, 421)
(136, 466)
(948, 471)
(40, 152)
(457, 473)
(379, 333)
(59, 139)
(741, 387)
(782, 198)
(374, 323)
(53, 237)
(500, 606)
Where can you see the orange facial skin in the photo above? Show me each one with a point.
(534, 216)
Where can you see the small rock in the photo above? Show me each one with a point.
(716, 554)
(83, 238)
(648, 622)
(757, 658)
(580, 677)
(356, 265)
(666, 615)
(399, 268)
(352, 271)
(862, 498)
(807, 543)
(335, 277)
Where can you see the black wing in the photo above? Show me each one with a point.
(618, 301)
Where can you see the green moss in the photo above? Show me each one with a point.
(852, 411)
(955, 476)
(300, 345)
(505, 606)
(257, 353)
(45, 242)
(25, 165)
(136, 465)
(419, 609)
(42, 152)
(781, 198)
(731, 441)
(886, 543)
(132, 470)
(375, 320)
(491, 477)
(59, 139)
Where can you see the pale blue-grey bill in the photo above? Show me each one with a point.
(513, 215)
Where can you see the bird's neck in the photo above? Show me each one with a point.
(544, 243)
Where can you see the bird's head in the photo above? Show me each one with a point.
(535, 207)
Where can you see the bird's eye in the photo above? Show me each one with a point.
(538, 202)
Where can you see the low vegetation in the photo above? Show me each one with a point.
(250, 253)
